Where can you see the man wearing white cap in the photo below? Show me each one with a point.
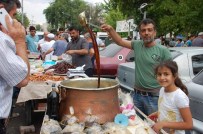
(44, 47)
(59, 47)
(198, 41)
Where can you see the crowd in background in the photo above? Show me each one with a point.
(54, 46)
(191, 41)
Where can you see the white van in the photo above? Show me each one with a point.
(102, 35)
(40, 34)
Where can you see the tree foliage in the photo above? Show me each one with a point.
(179, 16)
(38, 28)
(64, 13)
(113, 16)
(26, 21)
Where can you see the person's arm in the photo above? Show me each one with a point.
(116, 37)
(47, 52)
(91, 52)
(39, 47)
(154, 116)
(80, 52)
(83, 51)
(184, 125)
(17, 33)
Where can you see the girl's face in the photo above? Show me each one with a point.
(165, 78)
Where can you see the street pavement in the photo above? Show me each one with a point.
(15, 122)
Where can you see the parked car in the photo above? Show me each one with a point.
(189, 60)
(195, 88)
(102, 35)
(111, 57)
(40, 34)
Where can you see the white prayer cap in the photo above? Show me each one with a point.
(201, 33)
(50, 35)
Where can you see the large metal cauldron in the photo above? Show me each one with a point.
(84, 96)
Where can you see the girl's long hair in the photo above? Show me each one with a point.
(172, 65)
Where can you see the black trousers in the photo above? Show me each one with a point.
(2, 126)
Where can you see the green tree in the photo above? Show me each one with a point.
(179, 16)
(26, 21)
(38, 28)
(94, 15)
(113, 16)
(130, 8)
(63, 13)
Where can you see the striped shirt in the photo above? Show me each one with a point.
(12, 71)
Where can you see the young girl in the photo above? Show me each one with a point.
(173, 113)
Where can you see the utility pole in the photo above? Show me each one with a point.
(32, 21)
(129, 25)
(90, 13)
(145, 14)
(22, 19)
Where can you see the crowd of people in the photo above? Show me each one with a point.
(191, 41)
(156, 74)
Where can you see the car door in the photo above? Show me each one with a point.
(195, 89)
(131, 56)
(182, 61)
(195, 63)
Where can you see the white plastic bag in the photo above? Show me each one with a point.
(67, 58)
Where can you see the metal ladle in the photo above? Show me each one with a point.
(82, 19)
(83, 22)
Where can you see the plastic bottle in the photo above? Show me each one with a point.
(53, 105)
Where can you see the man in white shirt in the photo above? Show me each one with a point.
(44, 47)
(43, 40)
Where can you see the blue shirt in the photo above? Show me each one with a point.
(60, 47)
(189, 43)
(179, 45)
(32, 43)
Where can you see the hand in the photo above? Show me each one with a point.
(106, 28)
(43, 56)
(28, 51)
(60, 57)
(15, 30)
(153, 116)
(157, 127)
(70, 52)
(3, 29)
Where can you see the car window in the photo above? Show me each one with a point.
(198, 79)
(40, 36)
(111, 50)
(130, 57)
(197, 63)
(102, 38)
(175, 53)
